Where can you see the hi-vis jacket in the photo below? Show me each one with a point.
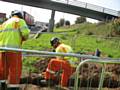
(12, 32)
(63, 48)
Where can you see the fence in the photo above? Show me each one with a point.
(88, 84)
(84, 82)
(101, 79)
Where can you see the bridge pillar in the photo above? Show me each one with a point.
(51, 22)
(118, 13)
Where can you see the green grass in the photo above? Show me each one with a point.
(82, 37)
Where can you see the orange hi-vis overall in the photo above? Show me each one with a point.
(60, 63)
(56, 65)
(10, 66)
(11, 33)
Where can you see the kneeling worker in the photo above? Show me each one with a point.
(60, 63)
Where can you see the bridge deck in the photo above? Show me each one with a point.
(73, 7)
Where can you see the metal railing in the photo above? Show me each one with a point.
(36, 52)
(100, 61)
(88, 6)
(91, 58)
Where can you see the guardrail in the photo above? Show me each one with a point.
(100, 61)
(48, 53)
(91, 58)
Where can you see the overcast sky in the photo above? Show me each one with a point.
(44, 15)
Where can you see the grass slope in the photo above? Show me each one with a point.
(83, 38)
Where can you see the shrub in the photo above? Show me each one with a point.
(57, 25)
(80, 20)
(116, 26)
(89, 33)
(61, 22)
(67, 23)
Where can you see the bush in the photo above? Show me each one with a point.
(89, 33)
(116, 26)
(67, 23)
(61, 22)
(80, 20)
(57, 25)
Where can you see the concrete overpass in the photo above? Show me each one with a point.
(73, 7)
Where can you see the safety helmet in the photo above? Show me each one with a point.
(54, 40)
(17, 13)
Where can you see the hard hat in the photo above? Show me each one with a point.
(54, 40)
(17, 13)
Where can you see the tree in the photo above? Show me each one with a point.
(57, 25)
(62, 22)
(67, 23)
(80, 20)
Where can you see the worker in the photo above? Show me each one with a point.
(60, 63)
(12, 34)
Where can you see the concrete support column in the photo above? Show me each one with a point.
(51, 22)
(118, 13)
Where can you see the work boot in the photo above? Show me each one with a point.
(3, 85)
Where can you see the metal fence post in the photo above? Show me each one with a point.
(102, 77)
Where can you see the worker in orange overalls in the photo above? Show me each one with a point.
(66, 64)
(12, 33)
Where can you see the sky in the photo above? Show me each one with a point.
(44, 15)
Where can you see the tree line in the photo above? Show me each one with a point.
(63, 22)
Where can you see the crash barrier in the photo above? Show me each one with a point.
(74, 80)
(105, 76)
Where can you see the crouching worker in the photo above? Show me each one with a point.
(13, 32)
(60, 63)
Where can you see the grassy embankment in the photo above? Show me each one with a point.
(83, 38)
